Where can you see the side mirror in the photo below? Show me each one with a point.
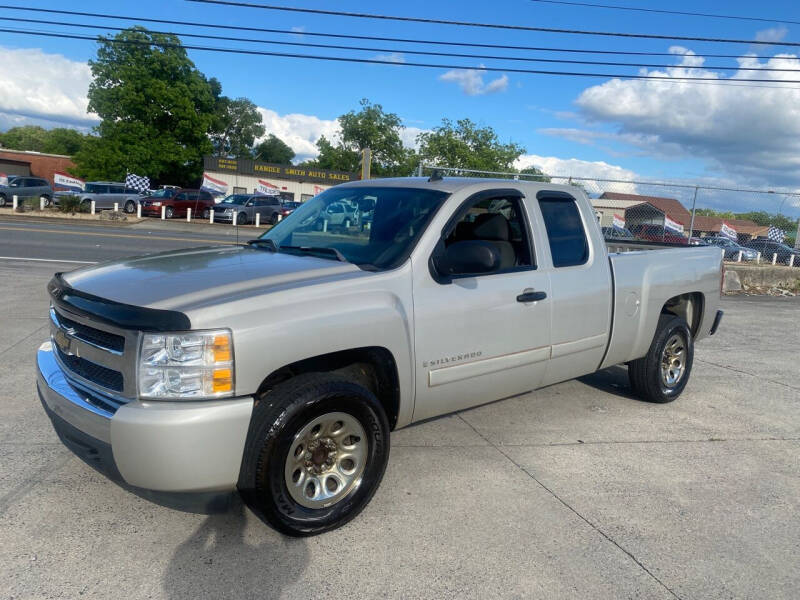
(470, 257)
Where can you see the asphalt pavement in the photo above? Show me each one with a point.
(576, 491)
(49, 240)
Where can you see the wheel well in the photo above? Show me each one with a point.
(689, 306)
(373, 367)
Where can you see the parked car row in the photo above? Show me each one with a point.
(26, 187)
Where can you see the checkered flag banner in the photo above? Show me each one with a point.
(776, 235)
(137, 182)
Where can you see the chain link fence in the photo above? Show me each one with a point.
(747, 224)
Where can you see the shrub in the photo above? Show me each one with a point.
(72, 205)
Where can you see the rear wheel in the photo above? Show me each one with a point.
(315, 453)
(46, 199)
(130, 207)
(662, 374)
(273, 219)
(2, 200)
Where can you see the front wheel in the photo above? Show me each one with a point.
(169, 212)
(45, 201)
(662, 374)
(315, 453)
(2, 200)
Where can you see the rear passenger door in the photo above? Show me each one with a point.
(481, 337)
(580, 281)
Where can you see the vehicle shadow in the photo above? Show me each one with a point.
(220, 561)
(613, 380)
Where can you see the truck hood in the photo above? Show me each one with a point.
(178, 280)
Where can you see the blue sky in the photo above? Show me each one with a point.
(719, 134)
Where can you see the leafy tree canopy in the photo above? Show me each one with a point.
(274, 150)
(369, 127)
(465, 145)
(236, 126)
(38, 139)
(156, 108)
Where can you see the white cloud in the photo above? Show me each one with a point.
(574, 167)
(393, 57)
(471, 81)
(773, 34)
(751, 132)
(37, 87)
(299, 131)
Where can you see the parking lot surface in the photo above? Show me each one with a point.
(574, 491)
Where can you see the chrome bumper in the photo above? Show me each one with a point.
(163, 446)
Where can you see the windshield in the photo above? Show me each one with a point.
(235, 199)
(165, 193)
(380, 239)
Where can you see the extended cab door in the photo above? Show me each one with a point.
(573, 252)
(482, 337)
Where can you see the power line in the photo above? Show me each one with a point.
(669, 12)
(416, 52)
(339, 13)
(344, 59)
(369, 37)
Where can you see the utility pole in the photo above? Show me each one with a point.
(691, 224)
(366, 160)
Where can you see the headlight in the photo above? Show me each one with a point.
(228, 210)
(156, 204)
(193, 364)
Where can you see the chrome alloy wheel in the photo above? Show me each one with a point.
(673, 360)
(326, 460)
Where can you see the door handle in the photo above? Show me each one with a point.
(531, 296)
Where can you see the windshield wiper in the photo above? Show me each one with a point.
(271, 245)
(320, 250)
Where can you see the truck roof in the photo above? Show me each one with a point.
(454, 184)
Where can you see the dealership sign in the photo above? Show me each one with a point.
(618, 222)
(728, 232)
(68, 182)
(265, 188)
(247, 166)
(216, 187)
(673, 225)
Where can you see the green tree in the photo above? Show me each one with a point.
(369, 127)
(274, 150)
(52, 141)
(64, 141)
(535, 174)
(156, 109)
(28, 137)
(465, 145)
(236, 126)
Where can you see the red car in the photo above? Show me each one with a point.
(176, 202)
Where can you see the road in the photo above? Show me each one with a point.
(575, 491)
(46, 240)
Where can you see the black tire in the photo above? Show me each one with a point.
(242, 219)
(169, 212)
(130, 207)
(273, 219)
(645, 374)
(206, 213)
(277, 419)
(47, 201)
(2, 200)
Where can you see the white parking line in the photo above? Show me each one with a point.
(77, 262)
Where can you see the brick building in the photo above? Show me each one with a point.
(21, 162)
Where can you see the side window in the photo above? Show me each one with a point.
(568, 243)
(206, 196)
(181, 196)
(116, 189)
(498, 221)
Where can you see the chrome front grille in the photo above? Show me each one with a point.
(98, 357)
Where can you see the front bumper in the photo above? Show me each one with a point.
(162, 446)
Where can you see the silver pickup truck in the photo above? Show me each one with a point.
(279, 367)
